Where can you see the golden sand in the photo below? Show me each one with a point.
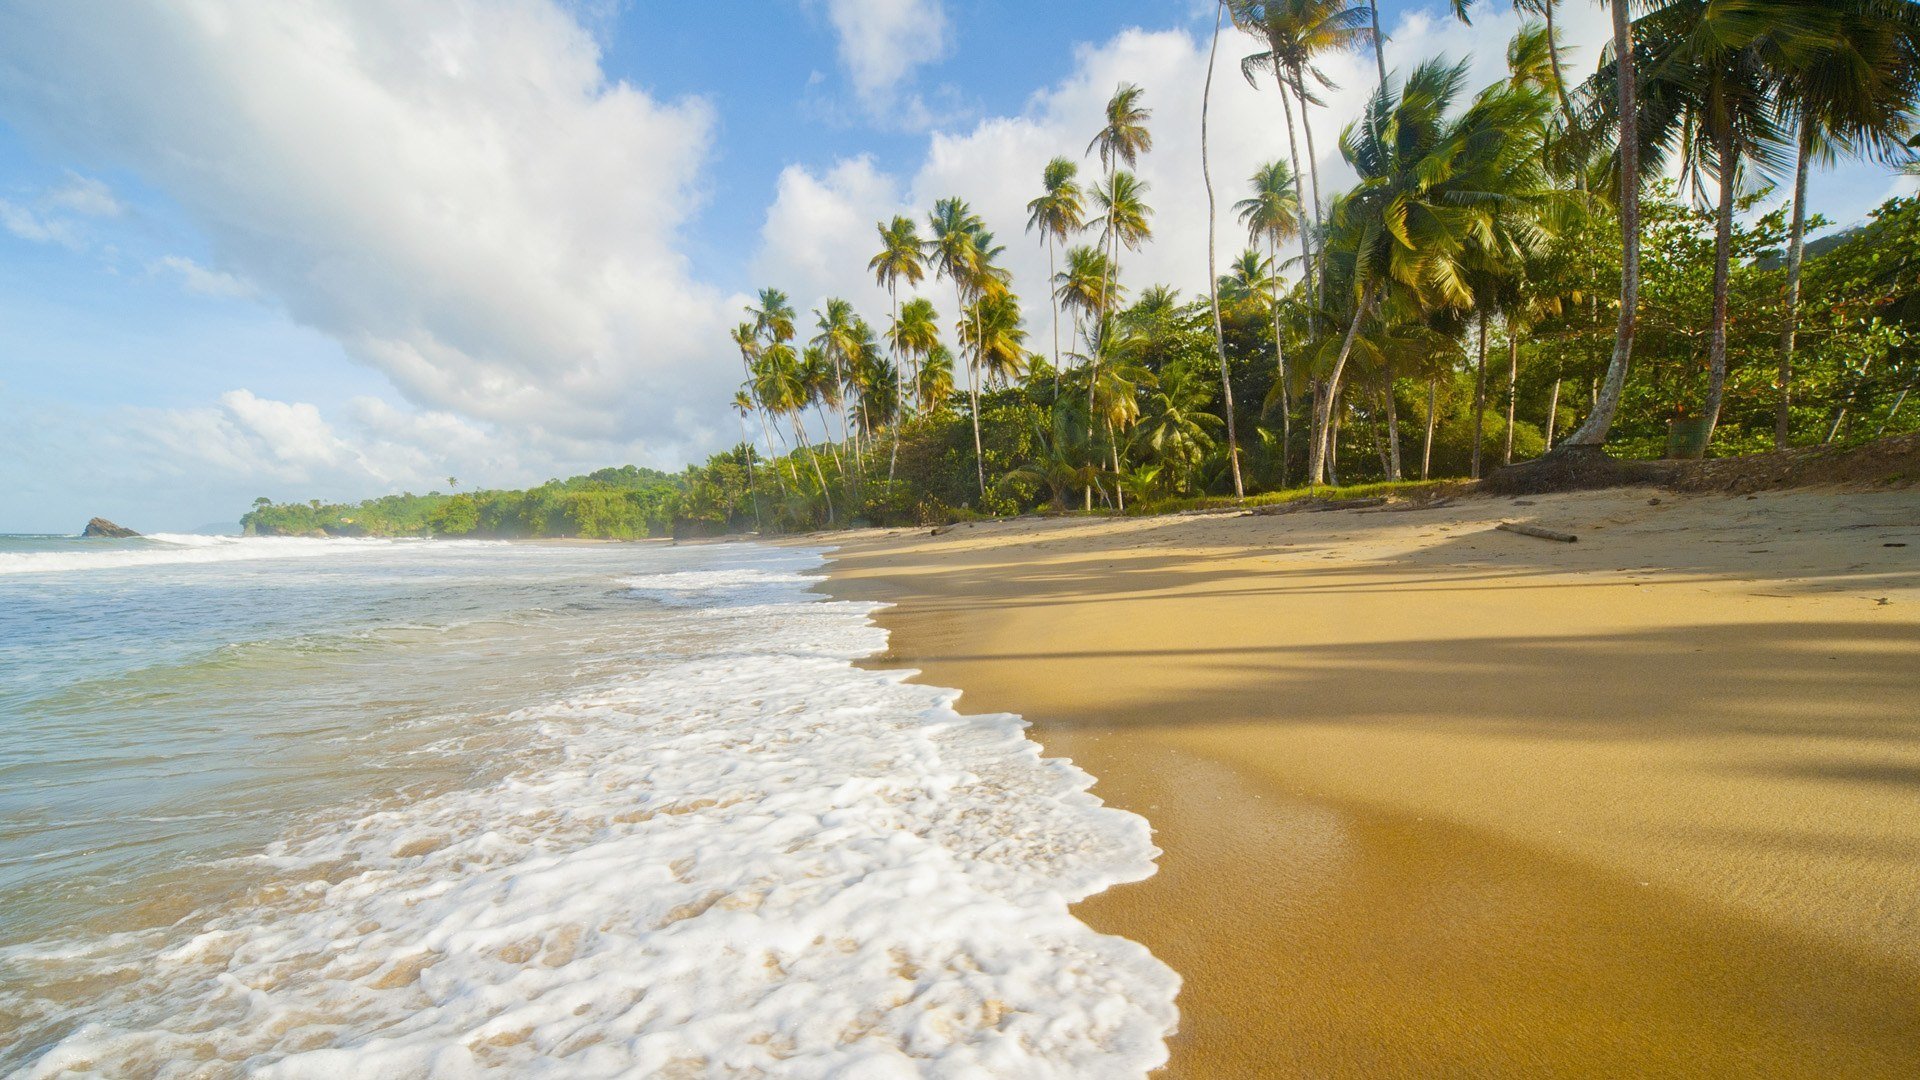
(1443, 801)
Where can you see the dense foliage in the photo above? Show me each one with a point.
(624, 504)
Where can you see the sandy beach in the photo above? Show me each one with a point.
(1437, 800)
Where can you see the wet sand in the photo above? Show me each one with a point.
(1442, 801)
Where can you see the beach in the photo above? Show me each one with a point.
(1436, 799)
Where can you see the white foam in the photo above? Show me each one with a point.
(755, 861)
(172, 549)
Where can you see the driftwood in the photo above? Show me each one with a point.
(1402, 508)
(1537, 531)
(1316, 506)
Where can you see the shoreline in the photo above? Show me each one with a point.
(1436, 799)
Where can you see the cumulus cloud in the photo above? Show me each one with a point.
(883, 42)
(818, 234)
(453, 191)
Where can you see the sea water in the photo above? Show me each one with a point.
(328, 808)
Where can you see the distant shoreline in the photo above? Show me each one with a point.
(1437, 799)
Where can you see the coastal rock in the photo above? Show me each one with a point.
(102, 529)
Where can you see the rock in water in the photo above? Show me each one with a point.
(101, 528)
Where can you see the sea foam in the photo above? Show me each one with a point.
(753, 860)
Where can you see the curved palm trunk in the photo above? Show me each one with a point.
(1593, 433)
(973, 394)
(1433, 400)
(1393, 423)
(1722, 265)
(1213, 283)
(899, 384)
(1299, 196)
(1480, 400)
(1796, 252)
(1280, 359)
(1553, 414)
(1560, 80)
(1313, 159)
(1319, 450)
(1379, 44)
(1513, 390)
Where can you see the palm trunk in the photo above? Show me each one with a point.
(1796, 251)
(1379, 45)
(1299, 196)
(1433, 400)
(899, 385)
(1393, 425)
(1119, 489)
(1560, 81)
(1054, 298)
(1213, 283)
(1318, 450)
(1893, 412)
(1513, 389)
(1593, 433)
(1480, 401)
(1333, 444)
(1722, 265)
(1313, 159)
(1280, 359)
(1553, 414)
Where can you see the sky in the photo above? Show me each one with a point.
(338, 248)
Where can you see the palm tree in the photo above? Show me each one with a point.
(933, 383)
(837, 343)
(783, 384)
(1537, 50)
(745, 339)
(1179, 422)
(1431, 189)
(1213, 281)
(900, 259)
(1851, 94)
(960, 249)
(1295, 33)
(1082, 288)
(993, 331)
(1273, 215)
(1058, 214)
(1122, 140)
(916, 333)
(1592, 432)
(1708, 99)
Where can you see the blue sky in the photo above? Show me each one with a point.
(357, 247)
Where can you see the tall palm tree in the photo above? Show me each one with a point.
(837, 342)
(1213, 278)
(1851, 93)
(900, 259)
(955, 250)
(915, 333)
(993, 331)
(1081, 288)
(782, 382)
(1121, 140)
(1272, 216)
(1592, 432)
(1708, 100)
(1431, 187)
(933, 383)
(1058, 215)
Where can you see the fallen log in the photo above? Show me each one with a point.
(1537, 531)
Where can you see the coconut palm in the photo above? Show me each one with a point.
(961, 250)
(1178, 427)
(1851, 93)
(1058, 215)
(993, 331)
(1125, 218)
(900, 259)
(1219, 333)
(836, 343)
(1592, 432)
(1081, 288)
(783, 383)
(933, 383)
(1121, 140)
(1272, 216)
(1432, 190)
(915, 333)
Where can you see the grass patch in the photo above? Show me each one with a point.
(1390, 488)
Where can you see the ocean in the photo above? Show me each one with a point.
(356, 808)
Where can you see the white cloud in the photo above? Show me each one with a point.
(883, 42)
(454, 191)
(201, 281)
(819, 232)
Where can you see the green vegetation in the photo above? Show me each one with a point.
(1507, 276)
(621, 504)
(1479, 297)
